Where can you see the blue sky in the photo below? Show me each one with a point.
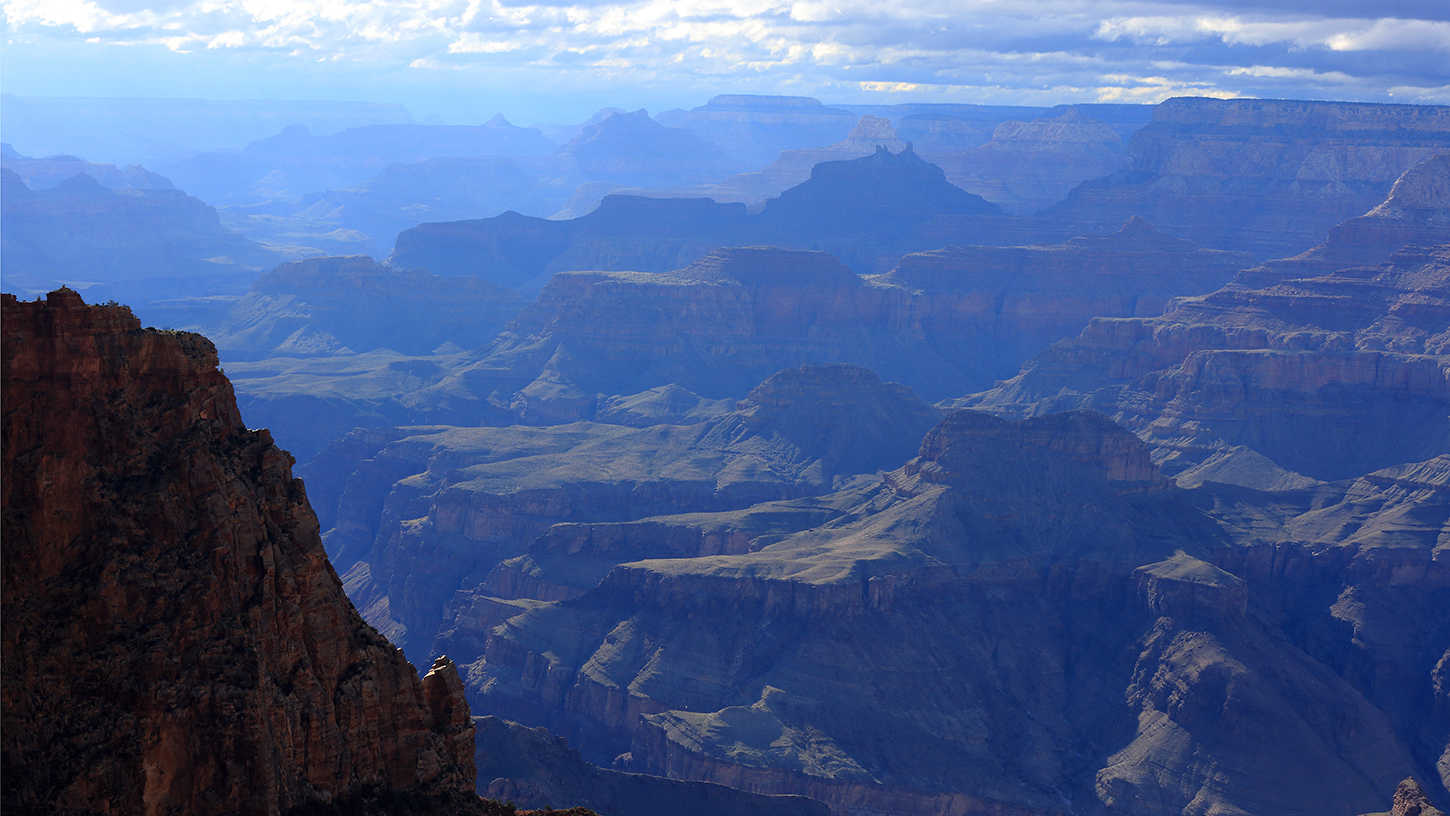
(557, 61)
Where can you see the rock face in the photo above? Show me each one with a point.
(423, 513)
(142, 245)
(1268, 177)
(1327, 376)
(1027, 166)
(946, 322)
(1026, 618)
(1410, 800)
(175, 639)
(348, 305)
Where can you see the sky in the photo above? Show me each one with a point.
(558, 61)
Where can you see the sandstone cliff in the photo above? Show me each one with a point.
(175, 640)
(1268, 177)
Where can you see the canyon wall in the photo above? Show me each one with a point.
(175, 639)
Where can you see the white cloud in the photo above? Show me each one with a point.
(1128, 50)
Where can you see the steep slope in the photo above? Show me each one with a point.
(175, 640)
(1063, 634)
(1327, 376)
(946, 322)
(345, 305)
(421, 513)
(632, 148)
(1268, 177)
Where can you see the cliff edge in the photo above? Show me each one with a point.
(175, 640)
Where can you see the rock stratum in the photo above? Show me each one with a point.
(175, 640)
(1263, 176)
(1025, 618)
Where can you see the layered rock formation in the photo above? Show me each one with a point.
(1067, 633)
(1026, 166)
(1268, 177)
(421, 513)
(946, 322)
(142, 245)
(347, 305)
(175, 640)
(1327, 376)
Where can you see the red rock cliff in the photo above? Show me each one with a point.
(175, 640)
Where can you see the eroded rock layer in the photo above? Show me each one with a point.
(175, 640)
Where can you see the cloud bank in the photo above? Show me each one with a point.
(991, 51)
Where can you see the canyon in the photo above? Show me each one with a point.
(1083, 461)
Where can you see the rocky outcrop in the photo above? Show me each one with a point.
(633, 149)
(1410, 800)
(175, 639)
(945, 322)
(1268, 177)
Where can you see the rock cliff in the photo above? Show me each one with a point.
(1026, 618)
(175, 639)
(1327, 376)
(422, 513)
(1026, 166)
(1268, 177)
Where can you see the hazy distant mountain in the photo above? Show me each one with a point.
(632, 148)
(754, 130)
(794, 166)
(162, 132)
(52, 170)
(140, 245)
(296, 161)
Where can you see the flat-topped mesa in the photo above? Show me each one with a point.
(1264, 176)
(175, 640)
(969, 440)
(344, 273)
(768, 266)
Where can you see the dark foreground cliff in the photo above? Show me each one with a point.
(175, 640)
